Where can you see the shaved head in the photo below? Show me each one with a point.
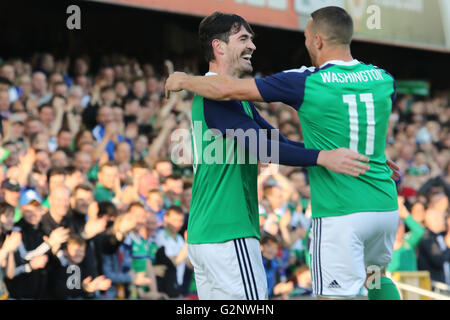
(334, 24)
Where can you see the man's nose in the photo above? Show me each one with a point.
(251, 45)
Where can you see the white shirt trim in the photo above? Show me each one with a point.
(302, 69)
(341, 63)
(211, 74)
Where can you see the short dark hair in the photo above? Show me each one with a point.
(5, 81)
(219, 26)
(59, 83)
(83, 186)
(76, 239)
(335, 23)
(106, 208)
(119, 80)
(107, 164)
(141, 164)
(174, 209)
(187, 185)
(54, 171)
(267, 237)
(45, 105)
(63, 130)
(5, 207)
(106, 88)
(156, 191)
(71, 169)
(297, 170)
(67, 151)
(136, 204)
(32, 118)
(173, 176)
(137, 79)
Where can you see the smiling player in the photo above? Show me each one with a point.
(223, 227)
(341, 102)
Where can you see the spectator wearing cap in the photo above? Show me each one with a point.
(11, 194)
(30, 277)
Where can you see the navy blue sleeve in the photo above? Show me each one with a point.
(223, 115)
(265, 125)
(287, 87)
(394, 95)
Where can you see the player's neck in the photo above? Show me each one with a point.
(337, 53)
(221, 68)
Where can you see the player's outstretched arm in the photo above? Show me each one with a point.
(218, 87)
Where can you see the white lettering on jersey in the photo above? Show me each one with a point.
(351, 77)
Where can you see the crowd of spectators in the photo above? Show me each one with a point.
(94, 204)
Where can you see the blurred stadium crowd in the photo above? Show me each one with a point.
(93, 207)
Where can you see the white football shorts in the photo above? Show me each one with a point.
(344, 247)
(232, 270)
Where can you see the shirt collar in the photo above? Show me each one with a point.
(341, 63)
(209, 73)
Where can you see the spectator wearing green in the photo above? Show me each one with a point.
(143, 249)
(108, 185)
(404, 256)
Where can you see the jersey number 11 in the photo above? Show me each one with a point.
(366, 98)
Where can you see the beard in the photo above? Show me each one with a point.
(81, 206)
(239, 68)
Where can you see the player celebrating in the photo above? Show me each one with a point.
(223, 227)
(341, 102)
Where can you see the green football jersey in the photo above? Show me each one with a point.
(141, 250)
(224, 204)
(342, 104)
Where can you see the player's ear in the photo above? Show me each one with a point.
(318, 41)
(218, 46)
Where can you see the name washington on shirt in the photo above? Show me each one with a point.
(352, 77)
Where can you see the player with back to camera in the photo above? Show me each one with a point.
(341, 102)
